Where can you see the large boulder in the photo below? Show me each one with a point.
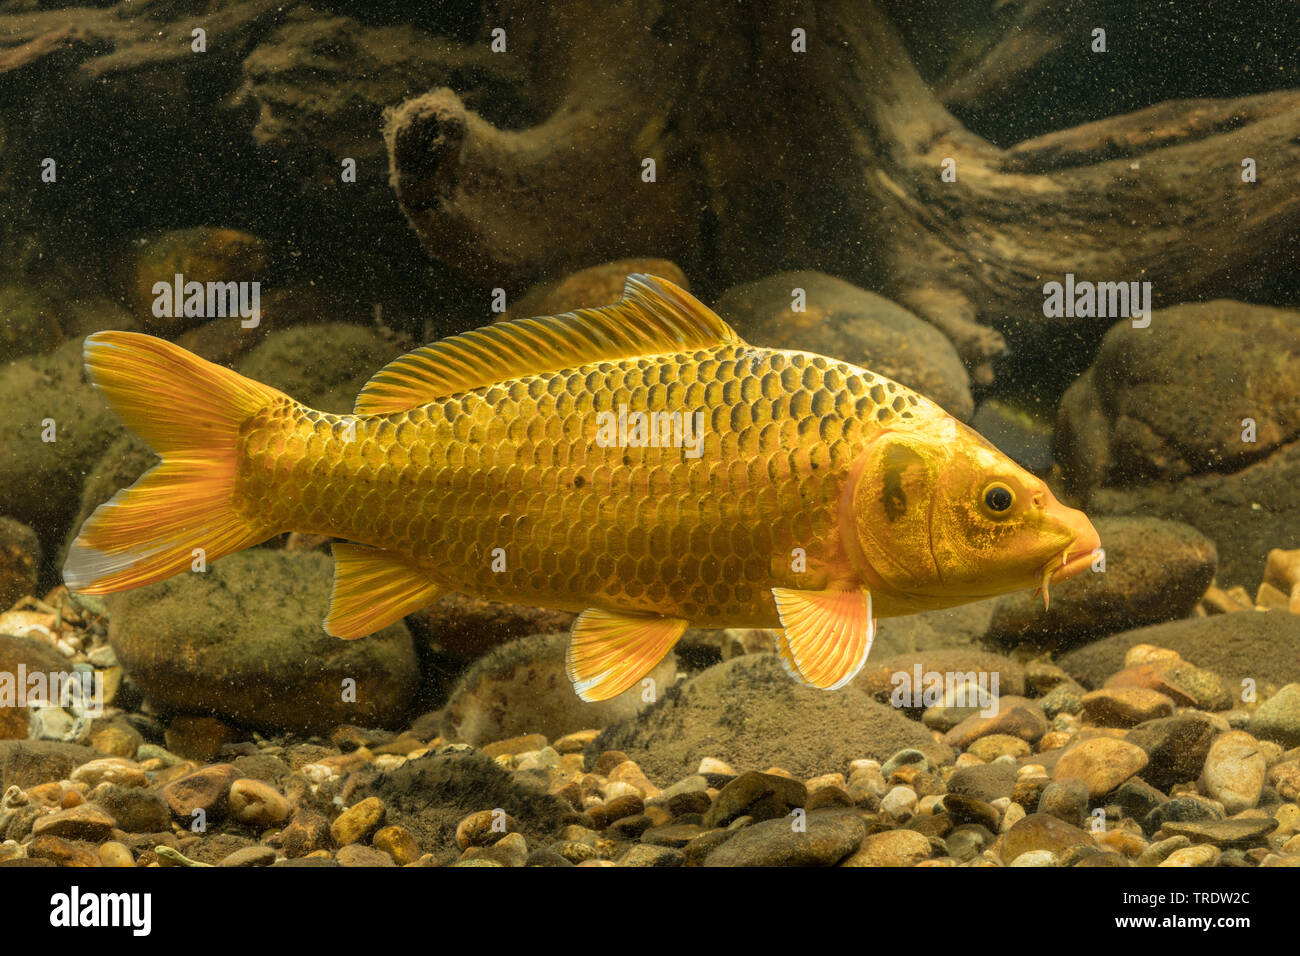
(324, 366)
(1202, 406)
(1154, 571)
(48, 397)
(845, 322)
(1263, 646)
(750, 713)
(243, 641)
(521, 688)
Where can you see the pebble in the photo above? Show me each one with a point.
(116, 739)
(1013, 815)
(308, 832)
(986, 782)
(1124, 706)
(1041, 831)
(1178, 810)
(899, 803)
(618, 788)
(1278, 718)
(1222, 832)
(827, 836)
(644, 854)
(357, 854)
(249, 856)
(905, 758)
(1183, 683)
(968, 842)
(761, 796)
(115, 770)
(116, 854)
(397, 842)
(1037, 858)
(1176, 747)
(1285, 778)
(711, 765)
(358, 821)
(1192, 856)
(964, 809)
(629, 772)
(1234, 771)
(135, 809)
(1066, 800)
(63, 852)
(1016, 716)
(1158, 852)
(576, 742)
(1136, 798)
(516, 745)
(1102, 763)
(256, 803)
(627, 805)
(993, 746)
(84, 822)
(484, 828)
(205, 789)
(891, 848)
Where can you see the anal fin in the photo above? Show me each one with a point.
(373, 588)
(612, 650)
(827, 634)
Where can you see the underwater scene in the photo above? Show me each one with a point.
(597, 433)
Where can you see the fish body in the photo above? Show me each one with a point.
(639, 464)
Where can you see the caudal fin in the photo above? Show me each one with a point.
(189, 411)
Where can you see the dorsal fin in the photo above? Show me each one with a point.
(654, 316)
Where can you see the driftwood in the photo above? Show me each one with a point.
(768, 159)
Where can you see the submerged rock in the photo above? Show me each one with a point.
(1154, 571)
(468, 626)
(33, 656)
(47, 397)
(1162, 424)
(243, 641)
(1262, 646)
(323, 366)
(28, 322)
(748, 712)
(845, 322)
(200, 254)
(522, 688)
(20, 559)
(590, 288)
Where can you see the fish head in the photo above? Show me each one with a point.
(941, 514)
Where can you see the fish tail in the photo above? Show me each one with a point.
(182, 511)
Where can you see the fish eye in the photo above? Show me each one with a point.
(998, 497)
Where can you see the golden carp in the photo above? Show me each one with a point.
(637, 463)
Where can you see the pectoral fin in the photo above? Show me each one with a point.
(827, 634)
(373, 588)
(612, 650)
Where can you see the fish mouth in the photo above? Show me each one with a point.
(1070, 562)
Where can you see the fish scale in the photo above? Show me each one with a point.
(516, 466)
